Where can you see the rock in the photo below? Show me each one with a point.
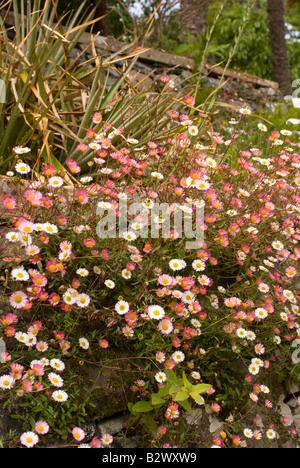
(107, 392)
(195, 417)
(139, 80)
(215, 425)
(285, 410)
(130, 443)
(270, 92)
(293, 388)
(90, 430)
(292, 403)
(296, 419)
(113, 425)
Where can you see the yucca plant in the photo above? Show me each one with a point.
(51, 99)
(45, 101)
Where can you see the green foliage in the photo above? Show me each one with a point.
(175, 389)
(53, 108)
(253, 54)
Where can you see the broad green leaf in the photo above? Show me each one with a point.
(174, 389)
(201, 388)
(164, 390)
(142, 407)
(186, 383)
(181, 396)
(199, 399)
(185, 405)
(172, 377)
(149, 422)
(156, 399)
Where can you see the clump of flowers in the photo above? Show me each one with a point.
(234, 289)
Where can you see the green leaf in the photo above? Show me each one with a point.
(172, 377)
(198, 399)
(181, 396)
(149, 422)
(186, 383)
(142, 407)
(174, 389)
(164, 391)
(156, 399)
(186, 405)
(201, 388)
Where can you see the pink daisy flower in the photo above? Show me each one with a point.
(82, 197)
(38, 369)
(97, 118)
(18, 299)
(82, 147)
(103, 344)
(9, 202)
(165, 326)
(107, 439)
(41, 427)
(26, 386)
(54, 298)
(41, 346)
(29, 439)
(215, 407)
(27, 227)
(48, 170)
(40, 280)
(78, 433)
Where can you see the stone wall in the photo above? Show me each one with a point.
(238, 88)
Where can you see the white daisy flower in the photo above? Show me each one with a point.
(109, 283)
(160, 377)
(129, 236)
(157, 175)
(126, 274)
(254, 369)
(193, 130)
(122, 307)
(6, 382)
(50, 228)
(19, 274)
(22, 168)
(22, 337)
(82, 272)
(60, 396)
(177, 264)
(198, 265)
(56, 181)
(57, 364)
(83, 300)
(83, 343)
(55, 379)
(178, 356)
(156, 312)
(12, 236)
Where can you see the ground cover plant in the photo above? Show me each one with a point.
(146, 232)
(215, 321)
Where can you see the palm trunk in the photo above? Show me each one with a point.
(276, 11)
(194, 15)
(102, 26)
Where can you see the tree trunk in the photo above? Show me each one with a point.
(102, 26)
(276, 11)
(194, 15)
